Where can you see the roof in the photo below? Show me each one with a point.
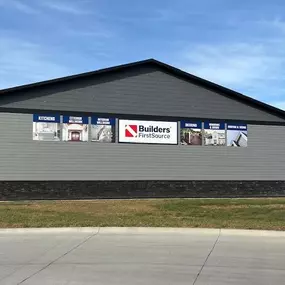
(167, 68)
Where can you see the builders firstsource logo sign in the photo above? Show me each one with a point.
(134, 131)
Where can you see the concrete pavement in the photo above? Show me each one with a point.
(141, 256)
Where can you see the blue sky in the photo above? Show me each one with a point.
(238, 44)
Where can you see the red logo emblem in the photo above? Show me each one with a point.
(131, 131)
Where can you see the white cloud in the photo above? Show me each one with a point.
(276, 24)
(19, 5)
(254, 66)
(24, 62)
(173, 14)
(240, 64)
(100, 33)
(69, 7)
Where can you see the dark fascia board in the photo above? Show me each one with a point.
(168, 68)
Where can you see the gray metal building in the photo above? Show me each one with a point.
(148, 91)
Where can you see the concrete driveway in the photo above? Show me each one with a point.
(138, 256)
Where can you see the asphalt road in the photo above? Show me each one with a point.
(193, 257)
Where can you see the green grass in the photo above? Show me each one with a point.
(210, 213)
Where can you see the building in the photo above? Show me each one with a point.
(116, 133)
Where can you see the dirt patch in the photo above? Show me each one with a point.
(219, 207)
(227, 207)
(276, 206)
(93, 207)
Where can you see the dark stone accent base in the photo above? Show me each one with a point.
(28, 190)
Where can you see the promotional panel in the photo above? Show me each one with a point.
(214, 134)
(237, 135)
(75, 129)
(190, 133)
(103, 130)
(152, 132)
(46, 127)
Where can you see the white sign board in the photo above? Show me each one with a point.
(153, 132)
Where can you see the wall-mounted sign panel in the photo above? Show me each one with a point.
(75, 129)
(214, 134)
(151, 132)
(103, 129)
(237, 135)
(46, 127)
(190, 133)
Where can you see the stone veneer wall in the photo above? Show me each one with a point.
(21, 190)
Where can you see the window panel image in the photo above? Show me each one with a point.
(103, 130)
(46, 127)
(190, 133)
(75, 129)
(214, 134)
(237, 135)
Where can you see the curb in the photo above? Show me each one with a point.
(49, 230)
(256, 233)
(144, 230)
(154, 230)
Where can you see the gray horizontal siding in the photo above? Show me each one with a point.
(21, 158)
(150, 92)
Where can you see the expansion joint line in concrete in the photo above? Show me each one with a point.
(55, 260)
(202, 267)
